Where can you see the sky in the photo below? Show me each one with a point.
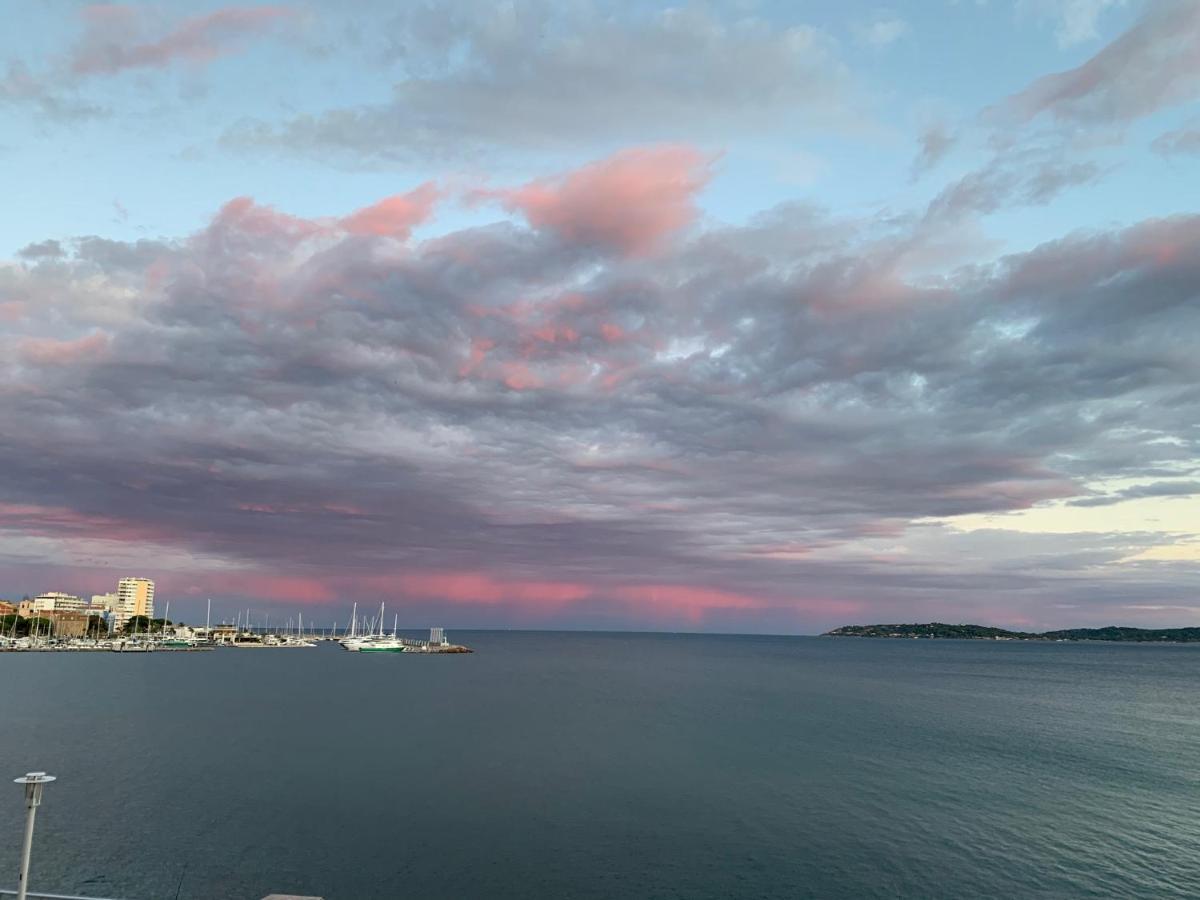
(743, 316)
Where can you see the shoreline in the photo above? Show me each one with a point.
(1109, 634)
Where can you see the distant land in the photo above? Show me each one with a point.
(986, 633)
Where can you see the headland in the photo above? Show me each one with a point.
(987, 633)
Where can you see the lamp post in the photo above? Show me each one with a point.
(33, 782)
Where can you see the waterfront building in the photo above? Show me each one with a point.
(135, 597)
(57, 601)
(7, 609)
(104, 602)
(68, 623)
(25, 608)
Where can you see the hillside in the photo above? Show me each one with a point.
(985, 633)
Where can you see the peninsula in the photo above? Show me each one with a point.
(987, 633)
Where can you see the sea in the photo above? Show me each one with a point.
(598, 765)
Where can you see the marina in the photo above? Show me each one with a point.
(38, 635)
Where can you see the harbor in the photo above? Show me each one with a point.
(171, 640)
(123, 621)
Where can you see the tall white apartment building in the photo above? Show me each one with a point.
(135, 597)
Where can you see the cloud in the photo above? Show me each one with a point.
(394, 216)
(630, 202)
(934, 142)
(1031, 177)
(1180, 142)
(117, 38)
(42, 249)
(1151, 66)
(1156, 489)
(19, 85)
(557, 77)
(761, 426)
(1076, 21)
(884, 29)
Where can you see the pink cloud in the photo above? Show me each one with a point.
(247, 217)
(394, 216)
(479, 350)
(48, 351)
(611, 333)
(630, 202)
(478, 587)
(519, 377)
(686, 598)
(553, 334)
(13, 310)
(63, 523)
(291, 588)
(113, 37)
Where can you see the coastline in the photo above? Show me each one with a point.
(1111, 634)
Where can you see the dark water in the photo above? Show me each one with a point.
(583, 765)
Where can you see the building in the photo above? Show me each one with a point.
(103, 603)
(68, 624)
(7, 609)
(222, 633)
(105, 606)
(56, 601)
(25, 608)
(135, 597)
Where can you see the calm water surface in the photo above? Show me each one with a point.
(612, 765)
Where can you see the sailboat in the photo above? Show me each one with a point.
(383, 644)
(374, 642)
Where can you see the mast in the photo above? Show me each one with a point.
(208, 621)
(381, 618)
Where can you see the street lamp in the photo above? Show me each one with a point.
(33, 782)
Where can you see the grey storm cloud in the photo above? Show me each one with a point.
(560, 76)
(741, 411)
